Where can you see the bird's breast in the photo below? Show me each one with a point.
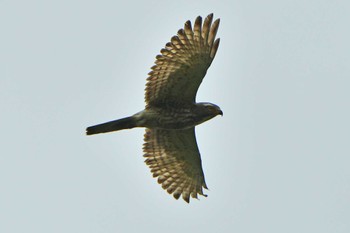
(169, 118)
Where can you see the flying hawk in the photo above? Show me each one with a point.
(171, 111)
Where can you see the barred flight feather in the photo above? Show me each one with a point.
(186, 59)
(174, 158)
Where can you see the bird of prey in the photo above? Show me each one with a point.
(171, 111)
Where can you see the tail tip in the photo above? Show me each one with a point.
(89, 131)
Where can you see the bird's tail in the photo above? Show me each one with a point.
(124, 123)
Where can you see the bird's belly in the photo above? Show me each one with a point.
(173, 122)
(169, 120)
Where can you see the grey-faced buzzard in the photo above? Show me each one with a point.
(171, 111)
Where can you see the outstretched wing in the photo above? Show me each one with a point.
(183, 63)
(174, 158)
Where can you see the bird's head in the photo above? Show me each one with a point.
(206, 111)
(212, 109)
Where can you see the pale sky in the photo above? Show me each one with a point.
(277, 161)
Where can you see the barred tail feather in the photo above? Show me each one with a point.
(124, 123)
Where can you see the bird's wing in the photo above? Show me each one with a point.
(174, 158)
(183, 63)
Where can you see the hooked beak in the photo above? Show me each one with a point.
(220, 113)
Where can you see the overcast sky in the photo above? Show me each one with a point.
(277, 161)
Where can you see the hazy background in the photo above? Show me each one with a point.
(278, 161)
